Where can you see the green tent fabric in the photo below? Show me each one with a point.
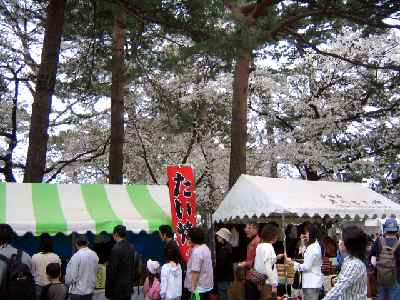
(67, 208)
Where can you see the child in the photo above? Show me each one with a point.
(171, 277)
(151, 286)
(56, 290)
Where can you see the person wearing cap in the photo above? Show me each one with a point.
(120, 267)
(81, 271)
(151, 287)
(390, 230)
(224, 263)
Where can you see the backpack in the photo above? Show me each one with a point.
(386, 265)
(18, 282)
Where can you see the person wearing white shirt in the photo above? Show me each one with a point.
(40, 261)
(352, 281)
(265, 260)
(81, 271)
(312, 278)
(171, 276)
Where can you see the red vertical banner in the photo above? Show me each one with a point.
(181, 185)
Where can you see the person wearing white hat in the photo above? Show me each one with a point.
(224, 263)
(151, 288)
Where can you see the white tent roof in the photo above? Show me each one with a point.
(254, 196)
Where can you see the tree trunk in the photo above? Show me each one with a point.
(8, 164)
(273, 164)
(239, 119)
(116, 156)
(311, 174)
(38, 136)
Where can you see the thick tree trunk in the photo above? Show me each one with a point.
(239, 119)
(116, 156)
(38, 136)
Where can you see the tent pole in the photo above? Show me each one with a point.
(212, 240)
(284, 252)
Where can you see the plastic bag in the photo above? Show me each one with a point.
(195, 296)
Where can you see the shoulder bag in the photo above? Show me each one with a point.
(256, 277)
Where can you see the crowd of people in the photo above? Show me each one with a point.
(40, 277)
(362, 268)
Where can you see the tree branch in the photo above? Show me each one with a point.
(12, 137)
(373, 113)
(303, 41)
(23, 36)
(5, 134)
(160, 17)
(144, 156)
(63, 163)
(253, 10)
(200, 179)
(261, 6)
(190, 146)
(276, 116)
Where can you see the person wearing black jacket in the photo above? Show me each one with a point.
(167, 236)
(224, 264)
(120, 268)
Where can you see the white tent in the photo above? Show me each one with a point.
(258, 197)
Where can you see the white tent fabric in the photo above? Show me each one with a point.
(256, 197)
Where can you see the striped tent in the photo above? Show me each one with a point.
(67, 208)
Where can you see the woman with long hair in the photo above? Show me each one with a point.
(292, 241)
(352, 279)
(265, 261)
(312, 279)
(171, 276)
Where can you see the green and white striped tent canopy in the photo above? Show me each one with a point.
(67, 208)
